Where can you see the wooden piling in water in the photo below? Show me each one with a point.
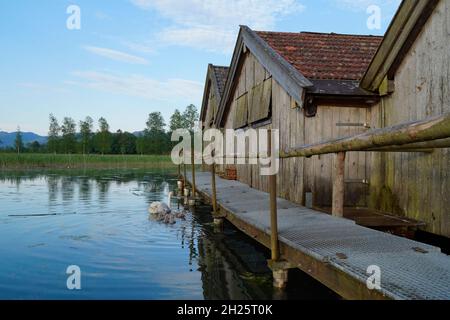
(213, 185)
(193, 172)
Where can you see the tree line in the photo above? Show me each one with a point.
(68, 137)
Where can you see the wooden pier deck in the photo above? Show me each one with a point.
(335, 251)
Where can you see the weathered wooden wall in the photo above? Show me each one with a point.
(211, 108)
(319, 169)
(298, 175)
(417, 185)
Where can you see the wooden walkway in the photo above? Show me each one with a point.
(335, 251)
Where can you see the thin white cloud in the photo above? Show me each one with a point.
(140, 86)
(201, 37)
(213, 24)
(116, 55)
(145, 47)
(42, 88)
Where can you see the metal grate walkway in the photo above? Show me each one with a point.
(409, 269)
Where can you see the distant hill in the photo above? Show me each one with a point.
(7, 138)
(138, 133)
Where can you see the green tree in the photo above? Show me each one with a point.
(86, 128)
(140, 145)
(155, 138)
(155, 122)
(104, 137)
(176, 121)
(34, 146)
(53, 134)
(68, 130)
(18, 142)
(127, 143)
(123, 143)
(190, 116)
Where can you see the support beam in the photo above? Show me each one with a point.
(273, 207)
(193, 173)
(280, 271)
(180, 182)
(273, 217)
(339, 185)
(433, 128)
(214, 191)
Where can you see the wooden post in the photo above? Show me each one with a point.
(273, 207)
(213, 184)
(339, 185)
(184, 173)
(193, 172)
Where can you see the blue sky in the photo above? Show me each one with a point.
(133, 57)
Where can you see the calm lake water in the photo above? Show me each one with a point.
(99, 222)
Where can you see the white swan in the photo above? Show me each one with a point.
(158, 207)
(163, 211)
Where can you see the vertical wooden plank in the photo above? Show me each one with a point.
(331, 117)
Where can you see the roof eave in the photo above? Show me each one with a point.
(205, 93)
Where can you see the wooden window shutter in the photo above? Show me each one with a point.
(241, 115)
(260, 98)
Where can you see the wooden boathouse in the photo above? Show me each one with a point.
(364, 126)
(307, 85)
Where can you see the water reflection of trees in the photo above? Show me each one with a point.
(16, 180)
(103, 189)
(53, 188)
(84, 189)
(65, 183)
(67, 188)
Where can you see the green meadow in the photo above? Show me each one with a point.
(77, 161)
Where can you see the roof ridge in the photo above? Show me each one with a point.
(321, 33)
(223, 67)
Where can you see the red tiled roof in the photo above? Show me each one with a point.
(325, 56)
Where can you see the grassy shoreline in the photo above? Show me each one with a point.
(12, 161)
